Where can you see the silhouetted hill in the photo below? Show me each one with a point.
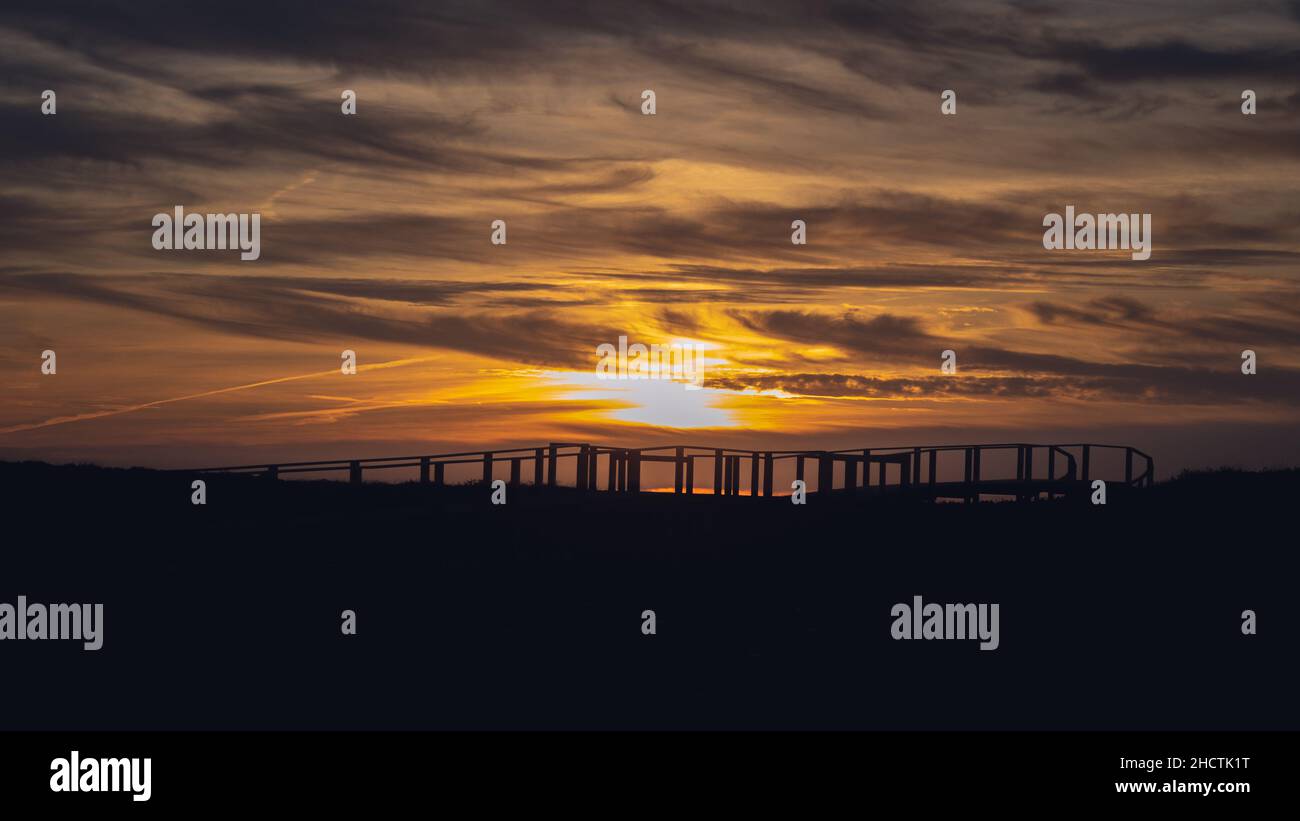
(528, 614)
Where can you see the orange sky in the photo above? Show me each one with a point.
(924, 231)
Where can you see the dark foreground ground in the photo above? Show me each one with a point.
(528, 615)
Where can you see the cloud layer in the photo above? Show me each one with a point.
(924, 231)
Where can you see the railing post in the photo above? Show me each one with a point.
(1151, 472)
(934, 465)
(718, 489)
(1128, 466)
(624, 478)
(611, 479)
(678, 469)
(968, 476)
(354, 472)
(690, 475)
(767, 473)
(439, 474)
(798, 468)
(580, 472)
(850, 473)
(916, 466)
(825, 473)
(753, 475)
(592, 461)
(866, 469)
(424, 470)
(905, 471)
(487, 467)
(514, 471)
(1051, 464)
(1029, 473)
(1087, 461)
(537, 467)
(552, 462)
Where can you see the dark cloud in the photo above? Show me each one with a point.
(1114, 311)
(760, 83)
(326, 310)
(885, 334)
(421, 38)
(906, 43)
(1270, 322)
(1173, 59)
(312, 310)
(803, 280)
(1071, 84)
(255, 124)
(722, 231)
(887, 342)
(1167, 386)
(856, 386)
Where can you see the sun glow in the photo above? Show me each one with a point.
(656, 402)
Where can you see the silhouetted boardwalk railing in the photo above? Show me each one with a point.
(967, 472)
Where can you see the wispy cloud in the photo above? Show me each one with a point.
(924, 231)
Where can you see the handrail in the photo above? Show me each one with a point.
(623, 467)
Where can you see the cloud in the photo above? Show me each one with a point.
(897, 336)
(1270, 322)
(1174, 59)
(1169, 386)
(375, 227)
(310, 310)
(894, 343)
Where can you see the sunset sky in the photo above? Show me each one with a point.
(924, 230)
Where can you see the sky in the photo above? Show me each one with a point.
(924, 230)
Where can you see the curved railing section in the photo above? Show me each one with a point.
(964, 472)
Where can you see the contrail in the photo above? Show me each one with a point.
(81, 417)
